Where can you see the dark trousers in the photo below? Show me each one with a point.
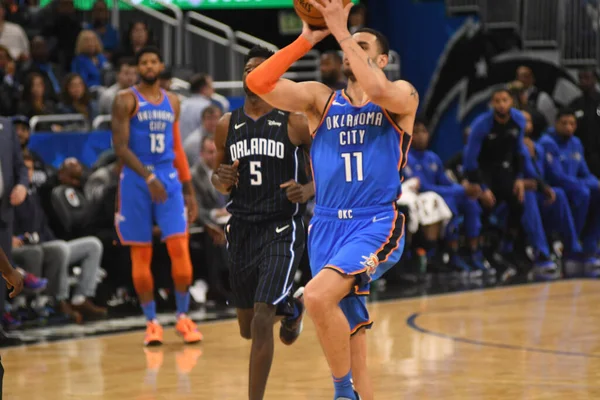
(6, 231)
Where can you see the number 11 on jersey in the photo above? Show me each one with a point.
(348, 165)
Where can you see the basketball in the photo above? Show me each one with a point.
(310, 14)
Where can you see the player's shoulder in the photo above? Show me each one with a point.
(547, 141)
(433, 156)
(124, 102)
(518, 117)
(482, 119)
(173, 98)
(225, 120)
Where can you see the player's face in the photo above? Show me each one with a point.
(369, 44)
(249, 67)
(502, 102)
(420, 138)
(566, 125)
(149, 67)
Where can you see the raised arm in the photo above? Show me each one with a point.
(123, 108)
(367, 59)
(265, 80)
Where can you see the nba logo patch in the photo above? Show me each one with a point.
(370, 263)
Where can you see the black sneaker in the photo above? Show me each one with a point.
(291, 328)
(357, 397)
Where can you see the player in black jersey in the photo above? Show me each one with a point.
(261, 164)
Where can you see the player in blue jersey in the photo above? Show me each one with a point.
(358, 148)
(155, 189)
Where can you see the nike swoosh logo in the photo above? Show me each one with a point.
(335, 103)
(143, 103)
(380, 219)
(281, 229)
(240, 125)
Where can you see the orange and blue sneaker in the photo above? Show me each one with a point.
(291, 327)
(154, 334)
(188, 330)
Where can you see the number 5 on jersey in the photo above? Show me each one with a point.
(157, 142)
(255, 173)
(348, 165)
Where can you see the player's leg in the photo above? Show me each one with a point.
(134, 227)
(360, 372)
(368, 246)
(281, 251)
(453, 234)
(579, 200)
(591, 233)
(171, 218)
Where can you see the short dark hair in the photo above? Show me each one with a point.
(210, 110)
(258, 52)
(421, 120)
(129, 61)
(147, 50)
(565, 112)
(199, 82)
(335, 54)
(502, 89)
(384, 44)
(204, 140)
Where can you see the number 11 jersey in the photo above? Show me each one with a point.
(267, 159)
(357, 154)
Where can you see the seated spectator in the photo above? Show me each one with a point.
(76, 99)
(57, 256)
(34, 99)
(89, 61)
(331, 70)
(202, 95)
(61, 30)
(494, 158)
(13, 37)
(138, 35)
(101, 25)
(460, 198)
(556, 213)
(126, 77)
(9, 90)
(40, 64)
(212, 215)
(574, 177)
(41, 170)
(535, 98)
(210, 118)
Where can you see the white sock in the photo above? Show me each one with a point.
(78, 300)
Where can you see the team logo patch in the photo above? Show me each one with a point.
(72, 197)
(577, 156)
(370, 263)
(433, 167)
(549, 158)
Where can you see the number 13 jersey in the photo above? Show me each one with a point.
(267, 159)
(357, 154)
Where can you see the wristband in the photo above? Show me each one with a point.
(150, 178)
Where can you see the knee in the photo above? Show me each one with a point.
(262, 322)
(317, 298)
(246, 331)
(177, 247)
(62, 249)
(95, 245)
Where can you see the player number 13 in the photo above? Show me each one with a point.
(157, 142)
(348, 164)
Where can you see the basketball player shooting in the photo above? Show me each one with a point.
(358, 149)
(146, 139)
(260, 163)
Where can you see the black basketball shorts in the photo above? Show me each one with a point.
(263, 259)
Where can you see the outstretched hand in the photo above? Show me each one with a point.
(335, 14)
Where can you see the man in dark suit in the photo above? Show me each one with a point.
(14, 181)
(212, 215)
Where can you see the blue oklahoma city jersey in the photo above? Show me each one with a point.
(151, 130)
(151, 139)
(356, 154)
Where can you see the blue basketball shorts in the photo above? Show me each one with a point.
(137, 214)
(364, 243)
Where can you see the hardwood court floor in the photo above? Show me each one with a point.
(525, 342)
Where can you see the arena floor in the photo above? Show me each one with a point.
(539, 341)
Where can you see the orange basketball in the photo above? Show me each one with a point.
(310, 14)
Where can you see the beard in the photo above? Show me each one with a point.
(149, 80)
(501, 115)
